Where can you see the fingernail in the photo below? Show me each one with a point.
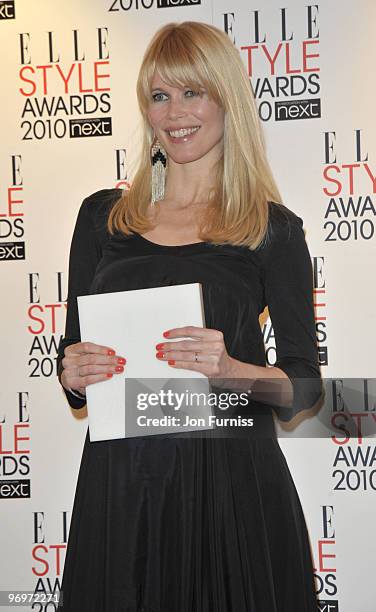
(159, 355)
(159, 346)
(109, 375)
(110, 352)
(166, 334)
(119, 369)
(121, 360)
(171, 362)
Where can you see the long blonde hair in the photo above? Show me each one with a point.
(199, 55)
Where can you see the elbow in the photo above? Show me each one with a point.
(307, 386)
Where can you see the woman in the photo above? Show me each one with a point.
(182, 524)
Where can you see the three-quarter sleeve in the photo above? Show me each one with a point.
(88, 238)
(288, 287)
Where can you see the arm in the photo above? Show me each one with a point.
(288, 279)
(294, 383)
(85, 252)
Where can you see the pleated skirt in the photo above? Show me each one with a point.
(187, 525)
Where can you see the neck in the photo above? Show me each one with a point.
(189, 184)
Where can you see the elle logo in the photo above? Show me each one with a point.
(7, 10)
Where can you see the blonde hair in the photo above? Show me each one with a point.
(199, 55)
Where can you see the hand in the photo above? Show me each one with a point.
(206, 353)
(86, 363)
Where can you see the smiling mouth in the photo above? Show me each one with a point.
(183, 131)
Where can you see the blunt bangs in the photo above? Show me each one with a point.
(180, 63)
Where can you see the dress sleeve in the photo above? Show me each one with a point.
(85, 252)
(288, 286)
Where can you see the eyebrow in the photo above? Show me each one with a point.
(161, 88)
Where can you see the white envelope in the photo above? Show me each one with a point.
(132, 323)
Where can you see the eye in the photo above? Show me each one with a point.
(195, 93)
(155, 96)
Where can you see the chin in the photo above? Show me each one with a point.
(187, 157)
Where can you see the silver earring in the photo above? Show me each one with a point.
(158, 157)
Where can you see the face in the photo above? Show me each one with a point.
(174, 108)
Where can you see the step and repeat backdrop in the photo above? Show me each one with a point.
(70, 126)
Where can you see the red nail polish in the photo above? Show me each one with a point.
(166, 334)
(121, 360)
(171, 362)
(110, 352)
(109, 375)
(160, 355)
(159, 346)
(119, 369)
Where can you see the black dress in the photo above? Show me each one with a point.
(194, 524)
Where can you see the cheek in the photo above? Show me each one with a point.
(202, 110)
(210, 113)
(216, 122)
(155, 115)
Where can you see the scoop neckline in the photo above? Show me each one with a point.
(169, 246)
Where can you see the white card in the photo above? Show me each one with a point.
(132, 323)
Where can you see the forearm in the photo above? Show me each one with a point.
(267, 384)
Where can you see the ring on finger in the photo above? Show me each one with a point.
(196, 359)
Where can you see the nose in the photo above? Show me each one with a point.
(176, 108)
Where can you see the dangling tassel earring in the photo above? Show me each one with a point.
(158, 171)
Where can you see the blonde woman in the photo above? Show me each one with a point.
(195, 523)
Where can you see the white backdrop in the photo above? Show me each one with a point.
(312, 67)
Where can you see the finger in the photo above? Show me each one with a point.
(87, 370)
(88, 347)
(98, 359)
(72, 377)
(188, 356)
(189, 330)
(193, 331)
(190, 345)
(205, 369)
(186, 365)
(84, 381)
(75, 361)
